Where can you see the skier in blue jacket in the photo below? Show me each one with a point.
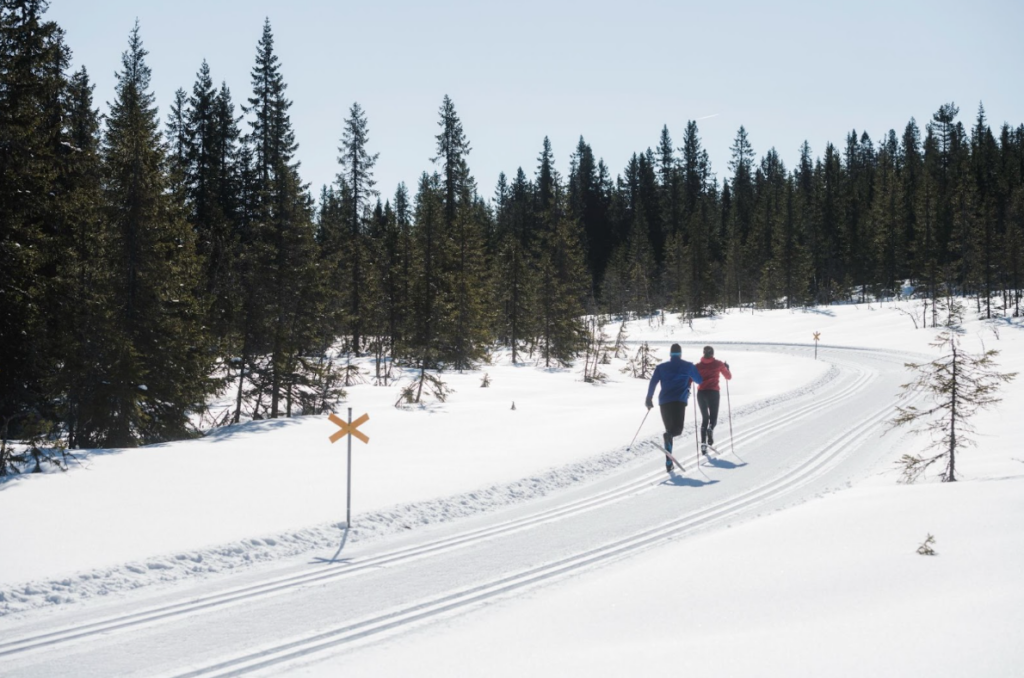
(675, 377)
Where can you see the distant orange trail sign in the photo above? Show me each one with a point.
(347, 429)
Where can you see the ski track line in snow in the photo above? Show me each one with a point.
(378, 627)
(354, 567)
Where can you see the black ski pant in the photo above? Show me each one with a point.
(673, 415)
(708, 401)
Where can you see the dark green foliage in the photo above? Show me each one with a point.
(459, 332)
(32, 62)
(157, 363)
(355, 182)
(516, 287)
(141, 271)
(282, 287)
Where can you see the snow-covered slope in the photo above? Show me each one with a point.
(831, 586)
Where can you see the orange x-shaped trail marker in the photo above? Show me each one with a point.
(346, 429)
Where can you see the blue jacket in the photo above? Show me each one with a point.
(675, 377)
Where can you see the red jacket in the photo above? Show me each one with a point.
(709, 369)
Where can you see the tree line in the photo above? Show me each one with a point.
(148, 264)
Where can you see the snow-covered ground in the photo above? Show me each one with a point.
(831, 586)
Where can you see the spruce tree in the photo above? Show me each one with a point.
(160, 365)
(960, 383)
(515, 285)
(430, 293)
(829, 177)
(356, 176)
(911, 170)
(89, 316)
(589, 195)
(988, 236)
(885, 221)
(669, 186)
(805, 210)
(283, 304)
(699, 233)
(741, 213)
(461, 333)
(770, 207)
(214, 209)
(32, 63)
(561, 277)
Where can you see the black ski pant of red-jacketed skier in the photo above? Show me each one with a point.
(708, 402)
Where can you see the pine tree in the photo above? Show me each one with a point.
(87, 289)
(32, 63)
(356, 176)
(177, 146)
(699, 234)
(829, 176)
(589, 195)
(515, 284)
(912, 169)
(283, 299)
(627, 283)
(805, 210)
(885, 216)
(790, 250)
(770, 209)
(160, 368)
(960, 383)
(214, 209)
(461, 334)
(987, 236)
(429, 293)
(669, 182)
(741, 217)
(561, 272)
(856, 186)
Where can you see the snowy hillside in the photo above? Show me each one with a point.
(821, 581)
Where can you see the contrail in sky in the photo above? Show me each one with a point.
(713, 115)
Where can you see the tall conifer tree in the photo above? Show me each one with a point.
(160, 368)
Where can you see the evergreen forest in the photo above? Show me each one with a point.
(149, 262)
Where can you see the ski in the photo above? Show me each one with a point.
(674, 460)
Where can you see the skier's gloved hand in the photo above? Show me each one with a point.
(649, 403)
(727, 366)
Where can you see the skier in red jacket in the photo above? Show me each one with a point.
(708, 395)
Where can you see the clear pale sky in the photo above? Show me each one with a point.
(614, 73)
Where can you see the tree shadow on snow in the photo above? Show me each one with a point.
(258, 426)
(817, 310)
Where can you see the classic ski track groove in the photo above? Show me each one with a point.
(642, 484)
(810, 469)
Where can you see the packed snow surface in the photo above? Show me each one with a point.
(825, 582)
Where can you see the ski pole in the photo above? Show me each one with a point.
(728, 401)
(696, 439)
(637, 431)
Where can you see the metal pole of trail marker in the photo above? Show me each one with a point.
(350, 429)
(348, 490)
